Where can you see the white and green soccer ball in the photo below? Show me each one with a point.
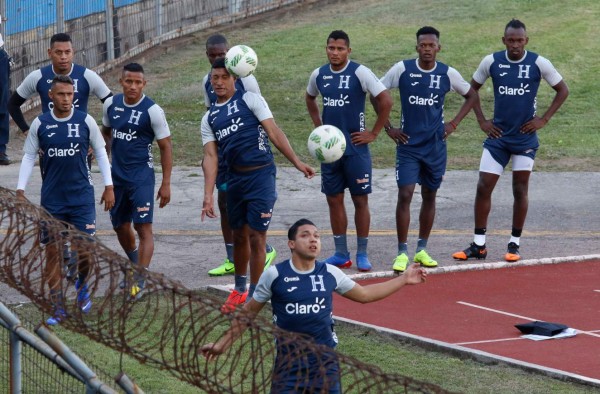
(327, 143)
(241, 61)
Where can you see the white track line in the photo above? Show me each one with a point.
(579, 331)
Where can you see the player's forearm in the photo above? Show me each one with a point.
(313, 111)
(166, 162)
(378, 291)
(14, 109)
(562, 92)
(471, 99)
(383, 109)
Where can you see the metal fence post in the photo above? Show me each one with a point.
(158, 10)
(15, 363)
(110, 33)
(60, 16)
(3, 17)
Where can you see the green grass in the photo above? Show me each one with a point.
(382, 33)
(391, 355)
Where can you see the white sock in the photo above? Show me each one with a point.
(479, 239)
(515, 240)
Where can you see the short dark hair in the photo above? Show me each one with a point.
(133, 67)
(339, 35)
(428, 30)
(515, 24)
(293, 231)
(220, 63)
(61, 79)
(60, 37)
(216, 39)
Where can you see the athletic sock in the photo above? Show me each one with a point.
(421, 244)
(229, 251)
(361, 245)
(133, 255)
(479, 237)
(341, 244)
(240, 283)
(515, 235)
(251, 289)
(402, 248)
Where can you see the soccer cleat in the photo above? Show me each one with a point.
(227, 268)
(59, 316)
(271, 254)
(235, 298)
(339, 260)
(424, 259)
(400, 263)
(473, 251)
(512, 253)
(84, 301)
(362, 262)
(137, 291)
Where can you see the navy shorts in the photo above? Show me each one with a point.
(305, 373)
(502, 151)
(133, 204)
(251, 197)
(353, 172)
(424, 165)
(83, 218)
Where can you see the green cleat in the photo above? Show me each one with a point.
(424, 259)
(400, 263)
(227, 268)
(271, 254)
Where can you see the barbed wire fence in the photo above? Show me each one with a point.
(168, 326)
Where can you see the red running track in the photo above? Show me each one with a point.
(448, 308)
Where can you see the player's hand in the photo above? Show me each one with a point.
(210, 351)
(415, 274)
(208, 208)
(108, 198)
(490, 129)
(448, 129)
(307, 170)
(362, 137)
(397, 135)
(163, 195)
(21, 195)
(533, 125)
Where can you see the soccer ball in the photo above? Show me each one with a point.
(327, 143)
(241, 61)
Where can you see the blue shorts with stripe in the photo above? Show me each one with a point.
(425, 165)
(133, 203)
(353, 172)
(83, 218)
(251, 197)
(502, 150)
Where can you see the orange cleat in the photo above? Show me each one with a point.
(235, 298)
(473, 251)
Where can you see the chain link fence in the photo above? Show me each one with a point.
(107, 32)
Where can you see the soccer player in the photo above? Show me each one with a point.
(131, 122)
(64, 136)
(421, 137)
(313, 284)
(86, 81)
(343, 85)
(240, 125)
(512, 133)
(4, 93)
(216, 48)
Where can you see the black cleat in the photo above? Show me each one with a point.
(473, 251)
